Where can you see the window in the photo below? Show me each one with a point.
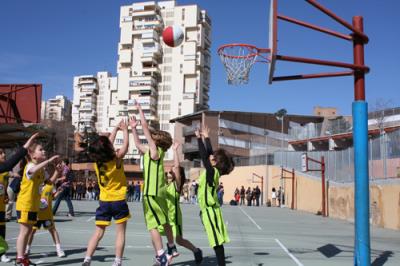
(167, 59)
(170, 14)
(167, 68)
(164, 126)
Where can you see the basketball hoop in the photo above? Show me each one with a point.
(238, 60)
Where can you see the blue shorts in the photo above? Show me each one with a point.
(112, 209)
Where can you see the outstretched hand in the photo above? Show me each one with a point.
(133, 122)
(197, 132)
(55, 157)
(176, 145)
(30, 140)
(123, 125)
(206, 131)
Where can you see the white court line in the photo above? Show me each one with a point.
(91, 219)
(251, 219)
(287, 252)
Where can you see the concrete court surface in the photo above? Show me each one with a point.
(259, 236)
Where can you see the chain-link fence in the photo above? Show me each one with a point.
(383, 155)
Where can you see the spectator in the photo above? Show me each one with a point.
(96, 190)
(278, 196)
(131, 191)
(192, 193)
(220, 194)
(257, 194)
(65, 183)
(137, 192)
(248, 196)
(242, 195)
(253, 196)
(237, 196)
(89, 190)
(273, 197)
(185, 191)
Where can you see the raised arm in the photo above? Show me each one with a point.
(39, 166)
(205, 159)
(121, 152)
(113, 134)
(57, 173)
(9, 164)
(175, 168)
(207, 141)
(133, 122)
(152, 145)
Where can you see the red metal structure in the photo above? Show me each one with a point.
(20, 103)
(323, 183)
(293, 177)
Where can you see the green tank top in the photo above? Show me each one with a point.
(153, 174)
(174, 209)
(207, 195)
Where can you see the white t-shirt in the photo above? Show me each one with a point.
(274, 195)
(29, 166)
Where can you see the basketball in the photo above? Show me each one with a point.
(43, 204)
(173, 36)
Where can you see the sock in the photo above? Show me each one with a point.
(171, 245)
(20, 258)
(220, 253)
(58, 246)
(117, 260)
(160, 252)
(87, 259)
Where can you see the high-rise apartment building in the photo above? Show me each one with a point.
(167, 82)
(58, 108)
(92, 100)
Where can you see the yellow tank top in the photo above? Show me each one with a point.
(46, 201)
(112, 181)
(29, 195)
(3, 190)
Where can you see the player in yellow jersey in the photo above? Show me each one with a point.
(45, 215)
(154, 203)
(5, 167)
(28, 201)
(111, 178)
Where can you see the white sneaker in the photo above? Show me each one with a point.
(60, 253)
(4, 258)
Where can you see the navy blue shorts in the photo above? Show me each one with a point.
(117, 210)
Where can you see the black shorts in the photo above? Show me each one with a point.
(112, 209)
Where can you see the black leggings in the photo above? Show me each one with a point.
(220, 253)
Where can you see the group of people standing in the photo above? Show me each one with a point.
(251, 196)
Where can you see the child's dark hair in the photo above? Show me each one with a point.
(100, 150)
(162, 139)
(224, 162)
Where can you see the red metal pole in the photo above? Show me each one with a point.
(358, 49)
(292, 188)
(323, 185)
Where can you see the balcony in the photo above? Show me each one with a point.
(188, 131)
(143, 13)
(125, 56)
(189, 148)
(88, 80)
(152, 70)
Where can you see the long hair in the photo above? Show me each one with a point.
(162, 139)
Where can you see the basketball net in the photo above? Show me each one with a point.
(238, 60)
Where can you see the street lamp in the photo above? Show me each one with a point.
(280, 115)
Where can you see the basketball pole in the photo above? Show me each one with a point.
(362, 251)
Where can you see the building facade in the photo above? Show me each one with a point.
(92, 101)
(167, 82)
(58, 108)
(251, 138)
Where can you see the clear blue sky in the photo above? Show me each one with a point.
(50, 41)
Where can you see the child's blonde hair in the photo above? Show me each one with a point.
(162, 139)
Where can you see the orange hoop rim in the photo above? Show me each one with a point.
(255, 51)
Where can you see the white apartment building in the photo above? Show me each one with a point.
(58, 108)
(168, 82)
(92, 101)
